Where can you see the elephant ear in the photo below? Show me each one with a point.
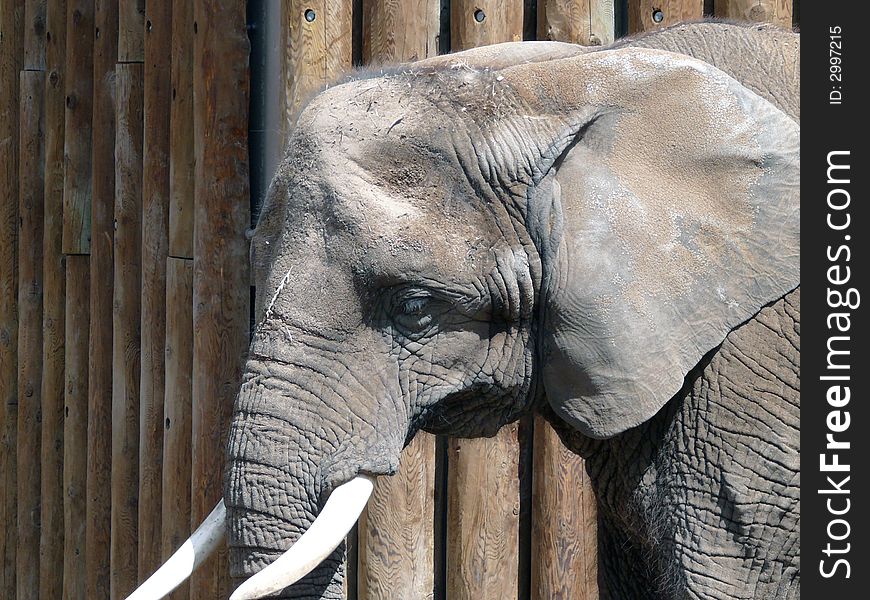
(666, 210)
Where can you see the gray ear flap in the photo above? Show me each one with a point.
(671, 217)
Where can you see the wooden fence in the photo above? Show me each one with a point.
(124, 201)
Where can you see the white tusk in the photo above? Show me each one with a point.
(186, 559)
(342, 509)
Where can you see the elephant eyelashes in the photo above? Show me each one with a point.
(414, 306)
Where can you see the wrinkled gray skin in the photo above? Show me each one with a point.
(591, 234)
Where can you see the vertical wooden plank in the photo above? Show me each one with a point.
(396, 538)
(396, 31)
(181, 158)
(131, 30)
(30, 286)
(644, 15)
(51, 543)
(480, 22)
(564, 522)
(34, 35)
(483, 506)
(587, 22)
(396, 533)
(11, 61)
(125, 327)
(564, 555)
(80, 35)
(155, 246)
(483, 517)
(176, 408)
(318, 46)
(101, 214)
(779, 12)
(75, 434)
(221, 282)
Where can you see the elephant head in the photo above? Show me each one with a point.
(446, 245)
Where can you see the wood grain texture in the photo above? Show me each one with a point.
(400, 31)
(502, 21)
(318, 51)
(30, 291)
(131, 30)
(642, 13)
(77, 191)
(181, 157)
(396, 531)
(51, 543)
(11, 61)
(483, 504)
(779, 12)
(587, 22)
(176, 409)
(483, 509)
(102, 214)
(34, 35)
(75, 433)
(564, 522)
(221, 282)
(155, 249)
(125, 328)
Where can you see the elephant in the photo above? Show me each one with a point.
(608, 236)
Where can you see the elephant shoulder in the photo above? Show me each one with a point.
(760, 360)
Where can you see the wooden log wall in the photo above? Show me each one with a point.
(124, 200)
(103, 164)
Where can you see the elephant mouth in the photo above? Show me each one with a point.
(323, 536)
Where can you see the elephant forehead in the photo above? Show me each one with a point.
(347, 114)
(393, 213)
(380, 231)
(382, 178)
(407, 104)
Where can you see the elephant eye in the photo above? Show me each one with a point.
(412, 312)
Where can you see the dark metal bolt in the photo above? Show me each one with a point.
(310, 15)
(658, 16)
(479, 15)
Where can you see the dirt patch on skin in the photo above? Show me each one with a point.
(698, 137)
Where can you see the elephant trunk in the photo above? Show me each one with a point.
(250, 564)
(328, 531)
(272, 498)
(295, 456)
